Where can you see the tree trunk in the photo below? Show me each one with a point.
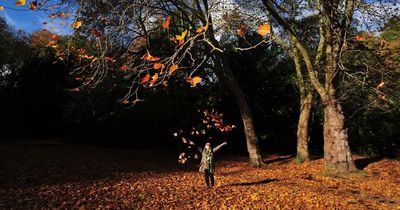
(225, 74)
(251, 137)
(337, 153)
(303, 128)
(306, 98)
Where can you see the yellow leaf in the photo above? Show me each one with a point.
(20, 2)
(182, 36)
(76, 24)
(172, 69)
(167, 22)
(153, 79)
(380, 85)
(1, 8)
(264, 29)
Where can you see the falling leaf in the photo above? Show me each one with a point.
(20, 2)
(1, 8)
(360, 38)
(145, 79)
(264, 29)
(158, 66)
(153, 79)
(95, 33)
(172, 69)
(175, 134)
(194, 81)
(32, 5)
(167, 22)
(242, 30)
(61, 14)
(75, 90)
(182, 36)
(76, 24)
(52, 16)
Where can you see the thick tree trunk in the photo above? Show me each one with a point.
(251, 137)
(337, 153)
(225, 74)
(303, 128)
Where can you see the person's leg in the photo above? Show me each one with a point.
(212, 179)
(207, 177)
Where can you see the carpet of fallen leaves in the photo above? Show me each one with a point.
(62, 176)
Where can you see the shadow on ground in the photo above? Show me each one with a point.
(364, 162)
(265, 181)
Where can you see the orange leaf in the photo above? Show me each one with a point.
(145, 79)
(153, 79)
(201, 29)
(172, 69)
(52, 16)
(242, 30)
(1, 8)
(194, 81)
(95, 33)
(360, 38)
(32, 5)
(125, 102)
(149, 57)
(53, 37)
(264, 29)
(20, 2)
(76, 24)
(167, 22)
(158, 66)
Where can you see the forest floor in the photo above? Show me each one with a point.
(63, 176)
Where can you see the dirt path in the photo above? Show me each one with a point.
(37, 176)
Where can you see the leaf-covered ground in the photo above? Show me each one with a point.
(48, 176)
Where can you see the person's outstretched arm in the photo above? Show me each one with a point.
(197, 147)
(219, 146)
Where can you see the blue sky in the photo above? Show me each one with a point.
(20, 17)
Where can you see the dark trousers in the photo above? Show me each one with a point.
(209, 177)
